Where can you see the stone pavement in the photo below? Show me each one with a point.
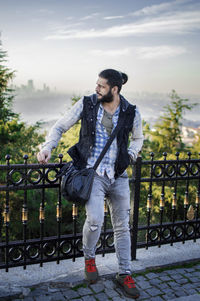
(166, 273)
(180, 283)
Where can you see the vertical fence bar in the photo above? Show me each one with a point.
(42, 218)
(7, 215)
(174, 200)
(186, 200)
(197, 203)
(59, 214)
(74, 216)
(25, 211)
(149, 202)
(162, 202)
(135, 208)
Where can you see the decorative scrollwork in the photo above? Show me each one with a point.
(170, 170)
(110, 241)
(190, 230)
(178, 231)
(79, 245)
(182, 169)
(34, 176)
(16, 254)
(66, 247)
(49, 249)
(153, 235)
(33, 251)
(158, 170)
(51, 175)
(166, 233)
(194, 169)
(16, 177)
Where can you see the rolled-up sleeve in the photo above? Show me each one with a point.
(63, 125)
(136, 139)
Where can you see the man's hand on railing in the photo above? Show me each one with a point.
(43, 156)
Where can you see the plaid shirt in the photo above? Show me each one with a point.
(108, 161)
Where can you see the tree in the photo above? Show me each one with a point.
(166, 136)
(16, 138)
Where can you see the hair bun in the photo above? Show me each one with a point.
(124, 78)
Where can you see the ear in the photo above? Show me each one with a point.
(115, 90)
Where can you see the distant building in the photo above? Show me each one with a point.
(189, 135)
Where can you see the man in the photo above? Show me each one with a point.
(99, 114)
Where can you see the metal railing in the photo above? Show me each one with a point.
(149, 179)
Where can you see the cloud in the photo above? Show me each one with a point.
(153, 52)
(177, 23)
(162, 7)
(113, 17)
(111, 52)
(92, 16)
(159, 52)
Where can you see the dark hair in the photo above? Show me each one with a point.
(114, 78)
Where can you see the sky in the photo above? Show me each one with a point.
(65, 43)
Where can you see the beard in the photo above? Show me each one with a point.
(107, 98)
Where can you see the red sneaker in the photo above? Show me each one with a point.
(91, 272)
(128, 284)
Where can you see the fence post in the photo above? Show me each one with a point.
(135, 200)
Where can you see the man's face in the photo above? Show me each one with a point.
(103, 90)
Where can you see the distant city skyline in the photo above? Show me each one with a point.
(65, 44)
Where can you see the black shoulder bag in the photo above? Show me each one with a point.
(76, 185)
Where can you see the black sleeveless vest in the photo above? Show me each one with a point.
(81, 151)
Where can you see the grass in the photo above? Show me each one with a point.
(167, 268)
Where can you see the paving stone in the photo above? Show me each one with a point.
(111, 293)
(196, 274)
(158, 298)
(154, 292)
(118, 299)
(69, 294)
(155, 281)
(190, 291)
(169, 297)
(36, 291)
(97, 287)
(163, 286)
(181, 270)
(87, 298)
(194, 279)
(26, 299)
(140, 278)
(151, 275)
(143, 295)
(144, 284)
(165, 278)
(182, 281)
(188, 286)
(168, 291)
(83, 291)
(58, 296)
(190, 270)
(101, 297)
(171, 272)
(44, 298)
(109, 284)
(180, 293)
(176, 276)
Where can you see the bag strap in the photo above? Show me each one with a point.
(109, 142)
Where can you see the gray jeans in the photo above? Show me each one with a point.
(119, 205)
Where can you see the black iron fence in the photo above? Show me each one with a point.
(165, 200)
